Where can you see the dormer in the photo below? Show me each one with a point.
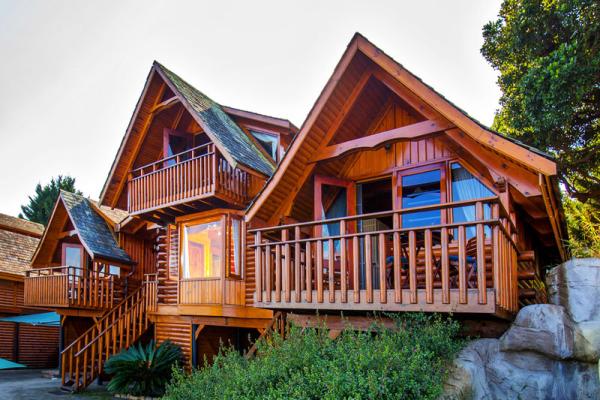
(184, 153)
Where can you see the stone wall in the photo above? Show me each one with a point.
(551, 351)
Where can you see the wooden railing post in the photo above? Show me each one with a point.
(258, 265)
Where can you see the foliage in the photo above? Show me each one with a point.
(405, 363)
(583, 224)
(142, 370)
(548, 56)
(42, 202)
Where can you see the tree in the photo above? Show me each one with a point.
(548, 56)
(42, 202)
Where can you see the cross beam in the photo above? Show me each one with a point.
(413, 131)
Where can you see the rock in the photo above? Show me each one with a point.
(542, 328)
(482, 371)
(575, 285)
(587, 341)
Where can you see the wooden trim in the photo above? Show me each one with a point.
(414, 131)
(165, 105)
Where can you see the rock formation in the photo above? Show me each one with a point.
(551, 351)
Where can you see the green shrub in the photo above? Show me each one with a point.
(406, 363)
(142, 370)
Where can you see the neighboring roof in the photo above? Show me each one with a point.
(116, 215)
(20, 225)
(16, 250)
(280, 122)
(45, 319)
(94, 233)
(226, 134)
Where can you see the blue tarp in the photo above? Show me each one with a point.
(6, 364)
(46, 319)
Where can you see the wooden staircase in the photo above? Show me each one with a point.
(83, 360)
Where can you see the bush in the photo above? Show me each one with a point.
(405, 363)
(142, 371)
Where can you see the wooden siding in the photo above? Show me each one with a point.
(201, 291)
(33, 346)
(141, 251)
(11, 296)
(178, 331)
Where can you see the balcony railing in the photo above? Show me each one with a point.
(466, 267)
(72, 287)
(190, 175)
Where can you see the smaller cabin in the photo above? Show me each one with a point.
(32, 345)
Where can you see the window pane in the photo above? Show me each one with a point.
(236, 266)
(114, 270)
(466, 187)
(202, 250)
(421, 190)
(268, 142)
(73, 256)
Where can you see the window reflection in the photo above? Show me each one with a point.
(202, 250)
(420, 190)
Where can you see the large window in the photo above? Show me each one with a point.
(202, 250)
(466, 187)
(418, 190)
(268, 141)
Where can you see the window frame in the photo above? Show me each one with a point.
(230, 251)
(252, 128)
(199, 221)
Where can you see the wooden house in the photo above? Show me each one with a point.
(388, 198)
(33, 346)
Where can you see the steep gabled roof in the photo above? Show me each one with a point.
(360, 51)
(18, 240)
(94, 233)
(223, 131)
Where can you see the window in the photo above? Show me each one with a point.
(466, 187)
(420, 190)
(268, 141)
(202, 250)
(235, 262)
(175, 142)
(114, 270)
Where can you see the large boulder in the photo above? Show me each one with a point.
(483, 371)
(543, 328)
(575, 285)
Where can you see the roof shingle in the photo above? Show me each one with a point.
(219, 126)
(93, 230)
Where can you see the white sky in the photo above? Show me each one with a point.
(71, 71)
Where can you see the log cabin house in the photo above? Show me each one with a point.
(388, 198)
(26, 344)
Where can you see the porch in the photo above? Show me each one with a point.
(183, 180)
(362, 263)
(73, 287)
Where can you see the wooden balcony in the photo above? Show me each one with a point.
(187, 177)
(464, 267)
(71, 287)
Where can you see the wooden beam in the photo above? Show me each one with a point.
(520, 178)
(165, 105)
(65, 234)
(198, 330)
(413, 131)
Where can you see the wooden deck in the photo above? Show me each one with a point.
(434, 268)
(186, 177)
(71, 287)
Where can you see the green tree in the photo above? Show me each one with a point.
(548, 55)
(42, 202)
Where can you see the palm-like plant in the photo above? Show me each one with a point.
(142, 370)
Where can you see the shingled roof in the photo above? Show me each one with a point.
(18, 240)
(94, 233)
(226, 134)
(15, 224)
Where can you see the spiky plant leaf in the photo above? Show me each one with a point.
(142, 370)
